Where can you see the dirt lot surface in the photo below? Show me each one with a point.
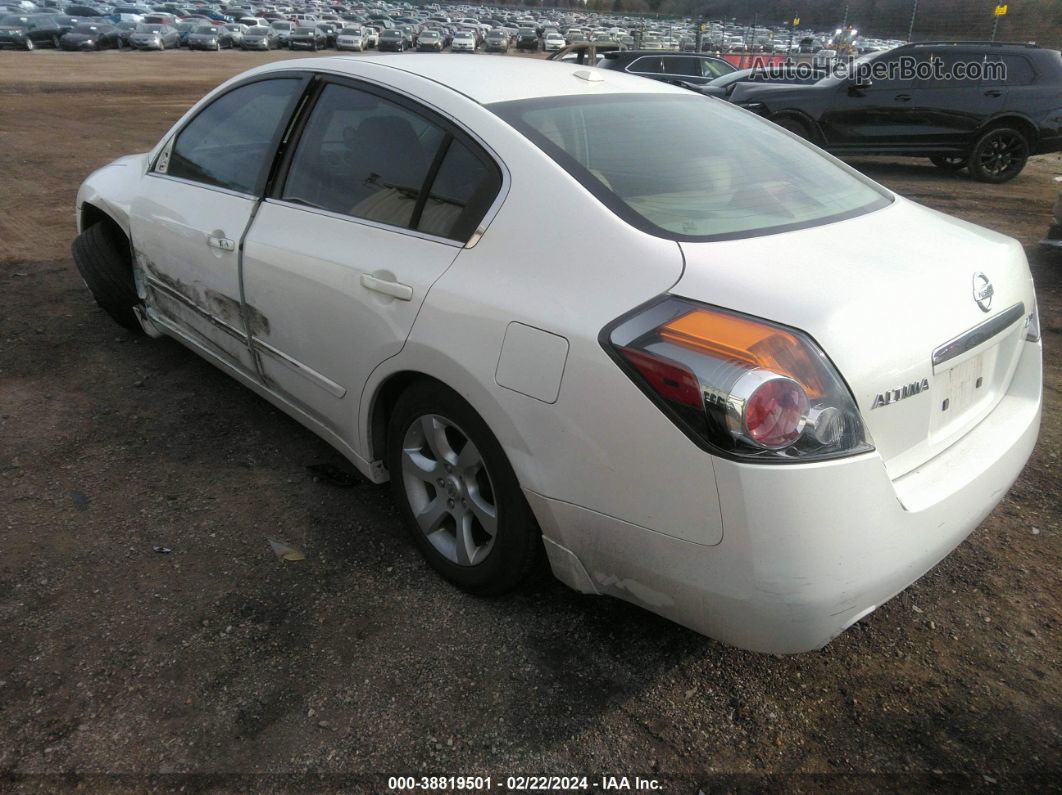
(218, 666)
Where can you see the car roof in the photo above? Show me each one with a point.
(507, 79)
(635, 53)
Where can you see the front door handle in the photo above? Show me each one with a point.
(403, 292)
(216, 241)
(903, 97)
(994, 93)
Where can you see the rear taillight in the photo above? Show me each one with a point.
(739, 385)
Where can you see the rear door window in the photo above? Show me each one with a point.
(951, 64)
(677, 65)
(460, 194)
(364, 156)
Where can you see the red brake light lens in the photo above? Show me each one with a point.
(670, 380)
(776, 412)
(740, 385)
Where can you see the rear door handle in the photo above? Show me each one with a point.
(993, 93)
(403, 292)
(903, 97)
(215, 241)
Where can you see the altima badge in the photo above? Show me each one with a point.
(983, 291)
(900, 393)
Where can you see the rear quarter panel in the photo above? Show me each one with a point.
(555, 259)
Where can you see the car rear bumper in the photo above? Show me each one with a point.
(807, 550)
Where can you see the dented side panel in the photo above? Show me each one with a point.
(188, 279)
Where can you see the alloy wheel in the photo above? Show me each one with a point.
(449, 489)
(1002, 153)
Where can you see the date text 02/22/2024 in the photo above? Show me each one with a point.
(522, 783)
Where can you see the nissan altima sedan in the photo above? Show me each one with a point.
(690, 408)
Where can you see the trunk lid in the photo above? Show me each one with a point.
(889, 296)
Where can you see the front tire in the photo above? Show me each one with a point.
(29, 45)
(102, 256)
(458, 495)
(999, 155)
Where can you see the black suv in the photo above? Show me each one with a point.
(988, 122)
(667, 66)
(527, 39)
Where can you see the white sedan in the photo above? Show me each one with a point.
(553, 42)
(463, 41)
(674, 398)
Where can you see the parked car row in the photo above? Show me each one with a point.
(507, 28)
(989, 125)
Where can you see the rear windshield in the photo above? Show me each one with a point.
(688, 167)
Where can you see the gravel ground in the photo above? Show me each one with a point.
(216, 666)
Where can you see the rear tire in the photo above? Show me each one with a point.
(102, 256)
(999, 155)
(29, 45)
(448, 469)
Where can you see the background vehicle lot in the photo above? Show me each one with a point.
(218, 658)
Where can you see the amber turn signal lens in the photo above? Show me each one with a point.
(746, 341)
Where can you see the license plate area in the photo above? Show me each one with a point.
(965, 392)
(962, 387)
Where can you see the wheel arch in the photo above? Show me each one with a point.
(384, 389)
(1017, 122)
(92, 214)
(815, 134)
(381, 407)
